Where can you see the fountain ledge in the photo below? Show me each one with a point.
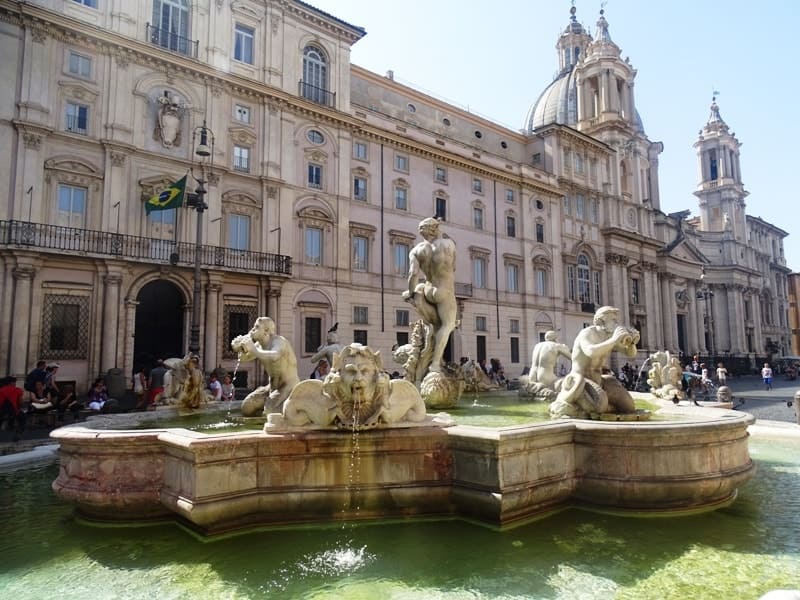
(498, 476)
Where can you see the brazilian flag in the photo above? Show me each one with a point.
(172, 197)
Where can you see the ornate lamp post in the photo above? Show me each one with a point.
(197, 202)
(706, 294)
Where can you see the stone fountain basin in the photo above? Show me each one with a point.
(217, 483)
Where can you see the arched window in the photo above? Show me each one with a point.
(314, 86)
(583, 282)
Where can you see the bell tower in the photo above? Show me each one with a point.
(720, 191)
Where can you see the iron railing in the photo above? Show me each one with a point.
(78, 241)
(172, 41)
(316, 94)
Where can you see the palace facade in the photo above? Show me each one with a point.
(317, 174)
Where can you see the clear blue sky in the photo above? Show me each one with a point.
(495, 58)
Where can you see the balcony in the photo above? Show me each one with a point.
(316, 94)
(172, 41)
(463, 290)
(73, 241)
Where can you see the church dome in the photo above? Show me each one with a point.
(558, 103)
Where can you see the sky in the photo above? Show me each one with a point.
(494, 59)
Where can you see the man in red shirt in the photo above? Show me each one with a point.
(11, 413)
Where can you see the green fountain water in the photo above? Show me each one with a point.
(737, 552)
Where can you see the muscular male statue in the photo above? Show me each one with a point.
(276, 355)
(544, 357)
(585, 390)
(435, 299)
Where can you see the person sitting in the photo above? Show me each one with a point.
(497, 372)
(12, 416)
(50, 384)
(215, 386)
(40, 400)
(67, 402)
(321, 369)
(228, 389)
(98, 396)
(37, 374)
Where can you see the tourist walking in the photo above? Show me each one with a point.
(766, 375)
(140, 387)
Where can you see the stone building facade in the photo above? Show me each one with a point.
(319, 172)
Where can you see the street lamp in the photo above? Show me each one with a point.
(706, 294)
(197, 202)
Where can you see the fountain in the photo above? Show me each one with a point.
(598, 451)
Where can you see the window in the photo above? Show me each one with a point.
(401, 318)
(400, 198)
(315, 76)
(584, 287)
(512, 278)
(440, 174)
(635, 292)
(578, 164)
(65, 326)
(511, 226)
(509, 195)
(237, 320)
(401, 259)
(513, 325)
(477, 217)
(171, 26)
(312, 336)
(89, 3)
(360, 253)
(477, 186)
(72, 206)
(314, 176)
(514, 349)
(594, 207)
(567, 205)
(361, 315)
(401, 162)
(241, 159)
(411, 108)
(480, 323)
(479, 272)
(537, 159)
(540, 233)
(541, 282)
(243, 44)
(239, 232)
(402, 338)
(596, 287)
(360, 336)
(360, 150)
(80, 65)
(313, 247)
(580, 206)
(242, 113)
(315, 137)
(77, 118)
(441, 209)
(359, 188)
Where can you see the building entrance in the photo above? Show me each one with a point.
(159, 323)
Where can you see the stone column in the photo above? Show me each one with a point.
(736, 307)
(605, 100)
(668, 312)
(695, 345)
(211, 345)
(21, 319)
(111, 328)
(653, 305)
(128, 334)
(273, 297)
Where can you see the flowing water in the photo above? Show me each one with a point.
(737, 552)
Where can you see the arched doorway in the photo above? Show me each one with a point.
(159, 323)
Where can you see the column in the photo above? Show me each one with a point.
(695, 345)
(21, 319)
(211, 345)
(605, 101)
(737, 324)
(668, 312)
(273, 296)
(111, 330)
(128, 334)
(6, 302)
(652, 303)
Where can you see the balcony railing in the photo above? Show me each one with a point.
(316, 94)
(463, 290)
(172, 41)
(83, 242)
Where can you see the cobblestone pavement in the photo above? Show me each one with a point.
(765, 404)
